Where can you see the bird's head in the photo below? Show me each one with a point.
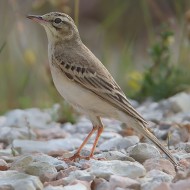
(58, 26)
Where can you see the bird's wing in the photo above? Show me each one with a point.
(96, 78)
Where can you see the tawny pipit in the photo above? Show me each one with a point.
(85, 83)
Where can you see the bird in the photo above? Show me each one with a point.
(85, 83)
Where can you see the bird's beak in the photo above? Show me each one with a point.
(36, 18)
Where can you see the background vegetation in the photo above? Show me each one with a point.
(144, 44)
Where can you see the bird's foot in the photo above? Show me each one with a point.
(78, 156)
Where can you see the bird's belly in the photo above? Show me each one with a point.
(80, 98)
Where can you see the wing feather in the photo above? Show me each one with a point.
(100, 82)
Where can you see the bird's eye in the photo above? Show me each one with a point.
(57, 20)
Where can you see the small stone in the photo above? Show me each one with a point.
(15, 180)
(21, 163)
(154, 178)
(119, 143)
(105, 169)
(123, 182)
(160, 164)
(181, 184)
(3, 165)
(163, 186)
(114, 155)
(8, 134)
(159, 176)
(185, 146)
(27, 146)
(143, 151)
(49, 187)
(109, 135)
(38, 164)
(180, 102)
(33, 117)
(44, 170)
(82, 175)
(182, 155)
(78, 185)
(100, 184)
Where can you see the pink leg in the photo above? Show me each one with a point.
(77, 154)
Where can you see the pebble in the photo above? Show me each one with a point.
(39, 165)
(3, 165)
(14, 180)
(78, 185)
(100, 184)
(82, 175)
(49, 187)
(31, 134)
(184, 146)
(114, 155)
(143, 151)
(105, 169)
(118, 143)
(27, 146)
(180, 102)
(181, 184)
(160, 164)
(154, 178)
(123, 182)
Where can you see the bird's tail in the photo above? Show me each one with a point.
(143, 130)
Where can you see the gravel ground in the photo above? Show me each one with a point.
(32, 146)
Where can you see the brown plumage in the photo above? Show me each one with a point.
(85, 83)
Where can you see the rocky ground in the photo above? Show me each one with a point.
(31, 144)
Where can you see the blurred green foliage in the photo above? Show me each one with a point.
(162, 79)
(118, 32)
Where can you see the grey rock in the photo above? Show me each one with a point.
(119, 143)
(27, 146)
(154, 178)
(3, 120)
(38, 164)
(100, 184)
(33, 117)
(111, 125)
(79, 175)
(184, 146)
(114, 155)
(143, 151)
(182, 155)
(159, 176)
(9, 133)
(180, 102)
(83, 125)
(160, 164)
(151, 111)
(123, 182)
(183, 184)
(75, 185)
(3, 165)
(182, 118)
(54, 188)
(19, 124)
(68, 127)
(110, 134)
(105, 169)
(9, 152)
(42, 169)
(15, 180)
(119, 188)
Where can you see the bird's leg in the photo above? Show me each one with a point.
(100, 128)
(77, 154)
(99, 132)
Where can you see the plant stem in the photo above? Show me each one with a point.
(76, 12)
